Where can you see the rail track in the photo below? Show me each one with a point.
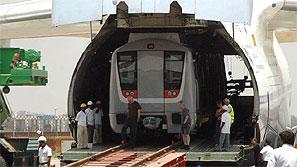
(117, 156)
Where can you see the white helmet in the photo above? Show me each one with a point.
(39, 132)
(90, 103)
(226, 100)
(41, 138)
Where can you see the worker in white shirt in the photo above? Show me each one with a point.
(266, 151)
(98, 123)
(90, 123)
(230, 109)
(225, 128)
(286, 155)
(82, 134)
(44, 152)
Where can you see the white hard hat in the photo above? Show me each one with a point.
(90, 103)
(38, 132)
(225, 107)
(226, 100)
(42, 138)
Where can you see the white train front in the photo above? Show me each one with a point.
(158, 73)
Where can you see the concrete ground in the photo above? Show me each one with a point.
(55, 161)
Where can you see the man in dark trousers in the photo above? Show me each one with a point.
(134, 110)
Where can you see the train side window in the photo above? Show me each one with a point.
(173, 69)
(127, 66)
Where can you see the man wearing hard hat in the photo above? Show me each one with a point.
(81, 119)
(225, 128)
(90, 123)
(230, 109)
(44, 152)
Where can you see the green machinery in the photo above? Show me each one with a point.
(20, 67)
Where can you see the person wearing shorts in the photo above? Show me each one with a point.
(186, 125)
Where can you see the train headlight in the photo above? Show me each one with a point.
(169, 93)
(174, 93)
(127, 93)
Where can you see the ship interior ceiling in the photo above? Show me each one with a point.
(91, 81)
(209, 51)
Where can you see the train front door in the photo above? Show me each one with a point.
(150, 81)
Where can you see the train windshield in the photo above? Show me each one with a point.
(173, 69)
(127, 70)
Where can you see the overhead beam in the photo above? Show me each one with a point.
(43, 28)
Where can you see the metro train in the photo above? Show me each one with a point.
(158, 73)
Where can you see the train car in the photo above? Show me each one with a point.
(158, 73)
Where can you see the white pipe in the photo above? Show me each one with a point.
(290, 5)
(25, 11)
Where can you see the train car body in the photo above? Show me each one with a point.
(158, 73)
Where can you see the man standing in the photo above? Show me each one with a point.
(134, 110)
(90, 123)
(98, 123)
(225, 128)
(230, 109)
(16, 60)
(266, 151)
(186, 124)
(218, 116)
(286, 155)
(72, 126)
(81, 119)
(44, 152)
